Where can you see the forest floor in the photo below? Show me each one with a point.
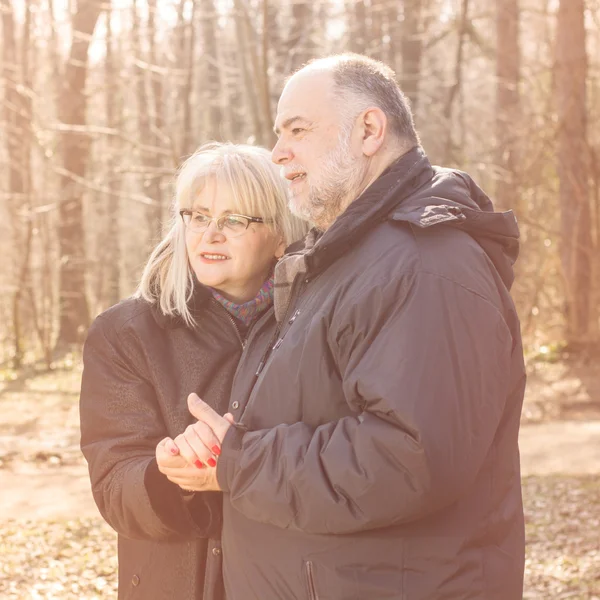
(53, 544)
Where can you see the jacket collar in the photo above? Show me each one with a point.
(410, 172)
(198, 304)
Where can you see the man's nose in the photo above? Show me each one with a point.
(280, 154)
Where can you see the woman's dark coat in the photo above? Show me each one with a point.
(139, 367)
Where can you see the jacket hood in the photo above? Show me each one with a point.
(453, 199)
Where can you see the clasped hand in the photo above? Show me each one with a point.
(190, 459)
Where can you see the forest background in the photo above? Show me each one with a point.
(102, 101)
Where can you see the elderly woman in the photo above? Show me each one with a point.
(205, 285)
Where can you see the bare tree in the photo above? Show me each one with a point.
(187, 39)
(112, 132)
(158, 139)
(300, 44)
(18, 115)
(507, 102)
(211, 74)
(573, 166)
(112, 247)
(73, 305)
(377, 32)
(456, 86)
(357, 25)
(245, 44)
(411, 49)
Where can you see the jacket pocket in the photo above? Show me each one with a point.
(356, 571)
(310, 578)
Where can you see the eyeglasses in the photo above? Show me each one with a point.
(233, 225)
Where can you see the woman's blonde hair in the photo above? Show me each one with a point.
(258, 191)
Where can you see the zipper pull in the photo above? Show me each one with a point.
(260, 368)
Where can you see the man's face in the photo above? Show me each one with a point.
(315, 148)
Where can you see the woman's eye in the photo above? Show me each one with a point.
(199, 217)
(235, 222)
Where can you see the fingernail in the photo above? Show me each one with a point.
(211, 462)
(199, 464)
(216, 450)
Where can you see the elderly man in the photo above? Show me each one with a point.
(374, 447)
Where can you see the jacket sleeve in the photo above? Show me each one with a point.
(121, 423)
(425, 363)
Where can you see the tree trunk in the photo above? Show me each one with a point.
(245, 67)
(455, 88)
(276, 56)
(376, 45)
(573, 167)
(113, 253)
(300, 43)
(507, 103)
(269, 138)
(411, 49)
(357, 25)
(157, 138)
(186, 53)
(211, 77)
(17, 108)
(73, 306)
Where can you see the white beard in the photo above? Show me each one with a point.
(342, 176)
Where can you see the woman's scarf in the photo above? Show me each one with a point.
(248, 311)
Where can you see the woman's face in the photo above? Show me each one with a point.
(235, 266)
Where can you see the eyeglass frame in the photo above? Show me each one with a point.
(186, 211)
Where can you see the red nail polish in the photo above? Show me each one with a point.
(199, 464)
(216, 450)
(212, 462)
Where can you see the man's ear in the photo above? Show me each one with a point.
(374, 127)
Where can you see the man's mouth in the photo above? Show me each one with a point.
(295, 175)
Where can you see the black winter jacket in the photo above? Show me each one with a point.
(376, 454)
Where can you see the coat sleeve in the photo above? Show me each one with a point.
(425, 363)
(121, 423)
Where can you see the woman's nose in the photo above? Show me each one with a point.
(213, 233)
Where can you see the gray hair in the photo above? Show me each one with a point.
(258, 190)
(371, 83)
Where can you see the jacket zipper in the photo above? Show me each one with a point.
(275, 336)
(232, 321)
(312, 590)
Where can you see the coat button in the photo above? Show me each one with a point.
(135, 580)
(216, 551)
(235, 404)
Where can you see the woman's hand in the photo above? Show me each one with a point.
(186, 476)
(199, 444)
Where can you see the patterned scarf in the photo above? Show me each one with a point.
(249, 310)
